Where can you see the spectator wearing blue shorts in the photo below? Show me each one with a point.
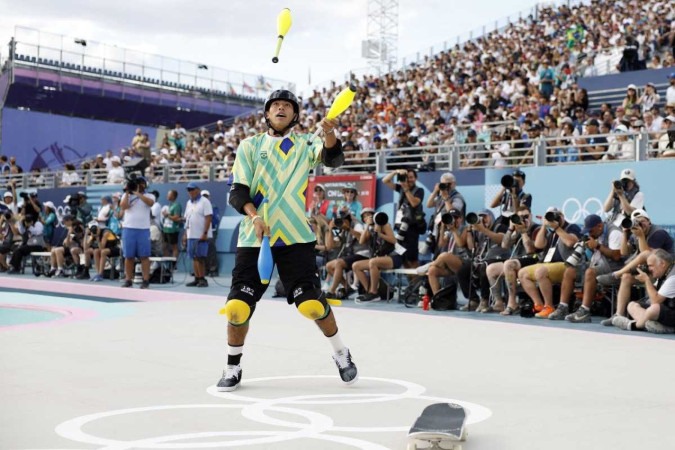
(198, 216)
(136, 204)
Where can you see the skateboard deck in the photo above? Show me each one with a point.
(440, 426)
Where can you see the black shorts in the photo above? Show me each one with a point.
(296, 265)
(350, 260)
(666, 315)
(171, 238)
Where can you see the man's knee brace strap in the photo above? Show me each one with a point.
(314, 309)
(237, 312)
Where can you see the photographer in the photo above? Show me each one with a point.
(484, 244)
(31, 231)
(511, 196)
(49, 220)
(91, 245)
(108, 247)
(624, 197)
(453, 254)
(350, 252)
(78, 206)
(386, 255)
(6, 238)
(71, 247)
(603, 241)
(30, 206)
(557, 243)
(409, 222)
(639, 240)
(136, 204)
(518, 240)
(659, 316)
(444, 198)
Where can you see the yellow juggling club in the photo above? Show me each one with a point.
(340, 104)
(284, 22)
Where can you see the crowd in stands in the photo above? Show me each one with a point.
(86, 243)
(514, 263)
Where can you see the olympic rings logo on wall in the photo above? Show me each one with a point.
(576, 212)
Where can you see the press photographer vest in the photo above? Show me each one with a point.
(600, 262)
(379, 246)
(507, 202)
(519, 249)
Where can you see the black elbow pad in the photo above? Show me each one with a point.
(240, 196)
(333, 157)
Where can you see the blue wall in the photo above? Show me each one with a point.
(620, 80)
(48, 140)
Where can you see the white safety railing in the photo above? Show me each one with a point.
(446, 157)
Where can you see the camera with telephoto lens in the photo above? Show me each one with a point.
(131, 184)
(401, 228)
(508, 181)
(618, 185)
(642, 267)
(381, 218)
(23, 195)
(401, 177)
(552, 216)
(338, 221)
(516, 220)
(472, 218)
(629, 223)
(74, 202)
(443, 186)
(577, 254)
(7, 215)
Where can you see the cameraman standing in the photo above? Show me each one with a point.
(136, 204)
(408, 213)
(511, 196)
(624, 197)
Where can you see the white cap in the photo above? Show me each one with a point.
(115, 159)
(632, 86)
(621, 129)
(628, 174)
(670, 118)
(50, 204)
(7, 194)
(206, 193)
(639, 213)
(448, 177)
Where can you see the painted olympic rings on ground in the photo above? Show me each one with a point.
(313, 426)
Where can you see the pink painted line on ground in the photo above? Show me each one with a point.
(102, 291)
(68, 315)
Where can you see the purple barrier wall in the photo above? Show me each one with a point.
(41, 140)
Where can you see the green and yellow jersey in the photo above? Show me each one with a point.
(277, 168)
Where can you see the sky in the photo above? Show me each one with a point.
(240, 35)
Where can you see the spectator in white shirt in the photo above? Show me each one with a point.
(116, 173)
(70, 176)
(623, 148)
(198, 215)
(670, 92)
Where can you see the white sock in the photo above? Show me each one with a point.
(234, 354)
(336, 342)
(564, 304)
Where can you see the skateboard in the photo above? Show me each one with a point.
(440, 426)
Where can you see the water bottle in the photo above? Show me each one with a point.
(425, 298)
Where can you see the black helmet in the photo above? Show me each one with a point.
(288, 96)
(283, 95)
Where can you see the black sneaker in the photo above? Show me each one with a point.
(192, 283)
(369, 297)
(84, 275)
(127, 284)
(348, 371)
(145, 284)
(51, 273)
(202, 283)
(230, 379)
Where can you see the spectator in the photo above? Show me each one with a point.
(631, 98)
(173, 220)
(49, 221)
(9, 201)
(623, 148)
(105, 212)
(178, 137)
(593, 147)
(670, 92)
(349, 205)
(70, 177)
(319, 204)
(212, 264)
(198, 215)
(116, 173)
(649, 98)
(136, 205)
(138, 137)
